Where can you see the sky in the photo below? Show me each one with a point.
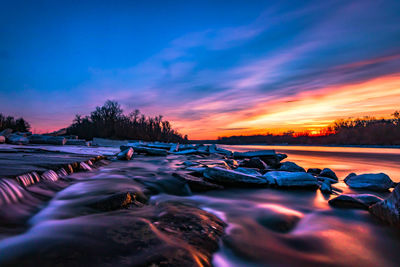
(212, 68)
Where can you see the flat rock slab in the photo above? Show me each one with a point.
(18, 161)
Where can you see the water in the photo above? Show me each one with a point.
(266, 227)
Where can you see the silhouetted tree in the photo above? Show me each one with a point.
(108, 121)
(19, 125)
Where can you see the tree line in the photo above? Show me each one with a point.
(351, 131)
(108, 121)
(17, 125)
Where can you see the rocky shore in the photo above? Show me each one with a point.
(121, 213)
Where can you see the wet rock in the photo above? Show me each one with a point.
(291, 179)
(232, 163)
(77, 142)
(6, 133)
(314, 171)
(249, 171)
(388, 210)
(328, 173)
(370, 181)
(326, 180)
(126, 154)
(281, 156)
(231, 177)
(2, 139)
(325, 187)
(174, 148)
(254, 163)
(349, 176)
(355, 201)
(198, 184)
(49, 140)
(289, 166)
(278, 218)
(168, 234)
(186, 152)
(115, 201)
(253, 154)
(16, 139)
(148, 151)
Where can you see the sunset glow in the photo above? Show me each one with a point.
(268, 68)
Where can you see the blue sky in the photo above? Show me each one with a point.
(211, 67)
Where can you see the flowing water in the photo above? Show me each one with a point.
(265, 227)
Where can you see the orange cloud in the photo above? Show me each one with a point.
(307, 110)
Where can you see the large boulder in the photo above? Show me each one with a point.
(356, 201)
(388, 210)
(289, 166)
(291, 179)
(328, 173)
(370, 181)
(231, 177)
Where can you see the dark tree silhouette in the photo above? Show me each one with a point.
(108, 121)
(18, 125)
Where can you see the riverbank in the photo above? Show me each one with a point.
(164, 210)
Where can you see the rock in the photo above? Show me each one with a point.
(356, 201)
(199, 170)
(17, 140)
(203, 150)
(230, 177)
(6, 133)
(388, 210)
(48, 140)
(174, 148)
(281, 156)
(254, 163)
(126, 154)
(328, 173)
(160, 145)
(76, 142)
(252, 154)
(149, 151)
(232, 163)
(248, 171)
(314, 171)
(198, 184)
(370, 181)
(2, 139)
(114, 202)
(289, 166)
(325, 187)
(327, 180)
(349, 176)
(186, 152)
(291, 179)
(188, 163)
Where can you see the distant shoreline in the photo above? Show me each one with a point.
(333, 145)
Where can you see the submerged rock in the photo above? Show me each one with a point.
(126, 154)
(289, 166)
(198, 184)
(356, 201)
(370, 181)
(388, 210)
(328, 173)
(291, 179)
(231, 177)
